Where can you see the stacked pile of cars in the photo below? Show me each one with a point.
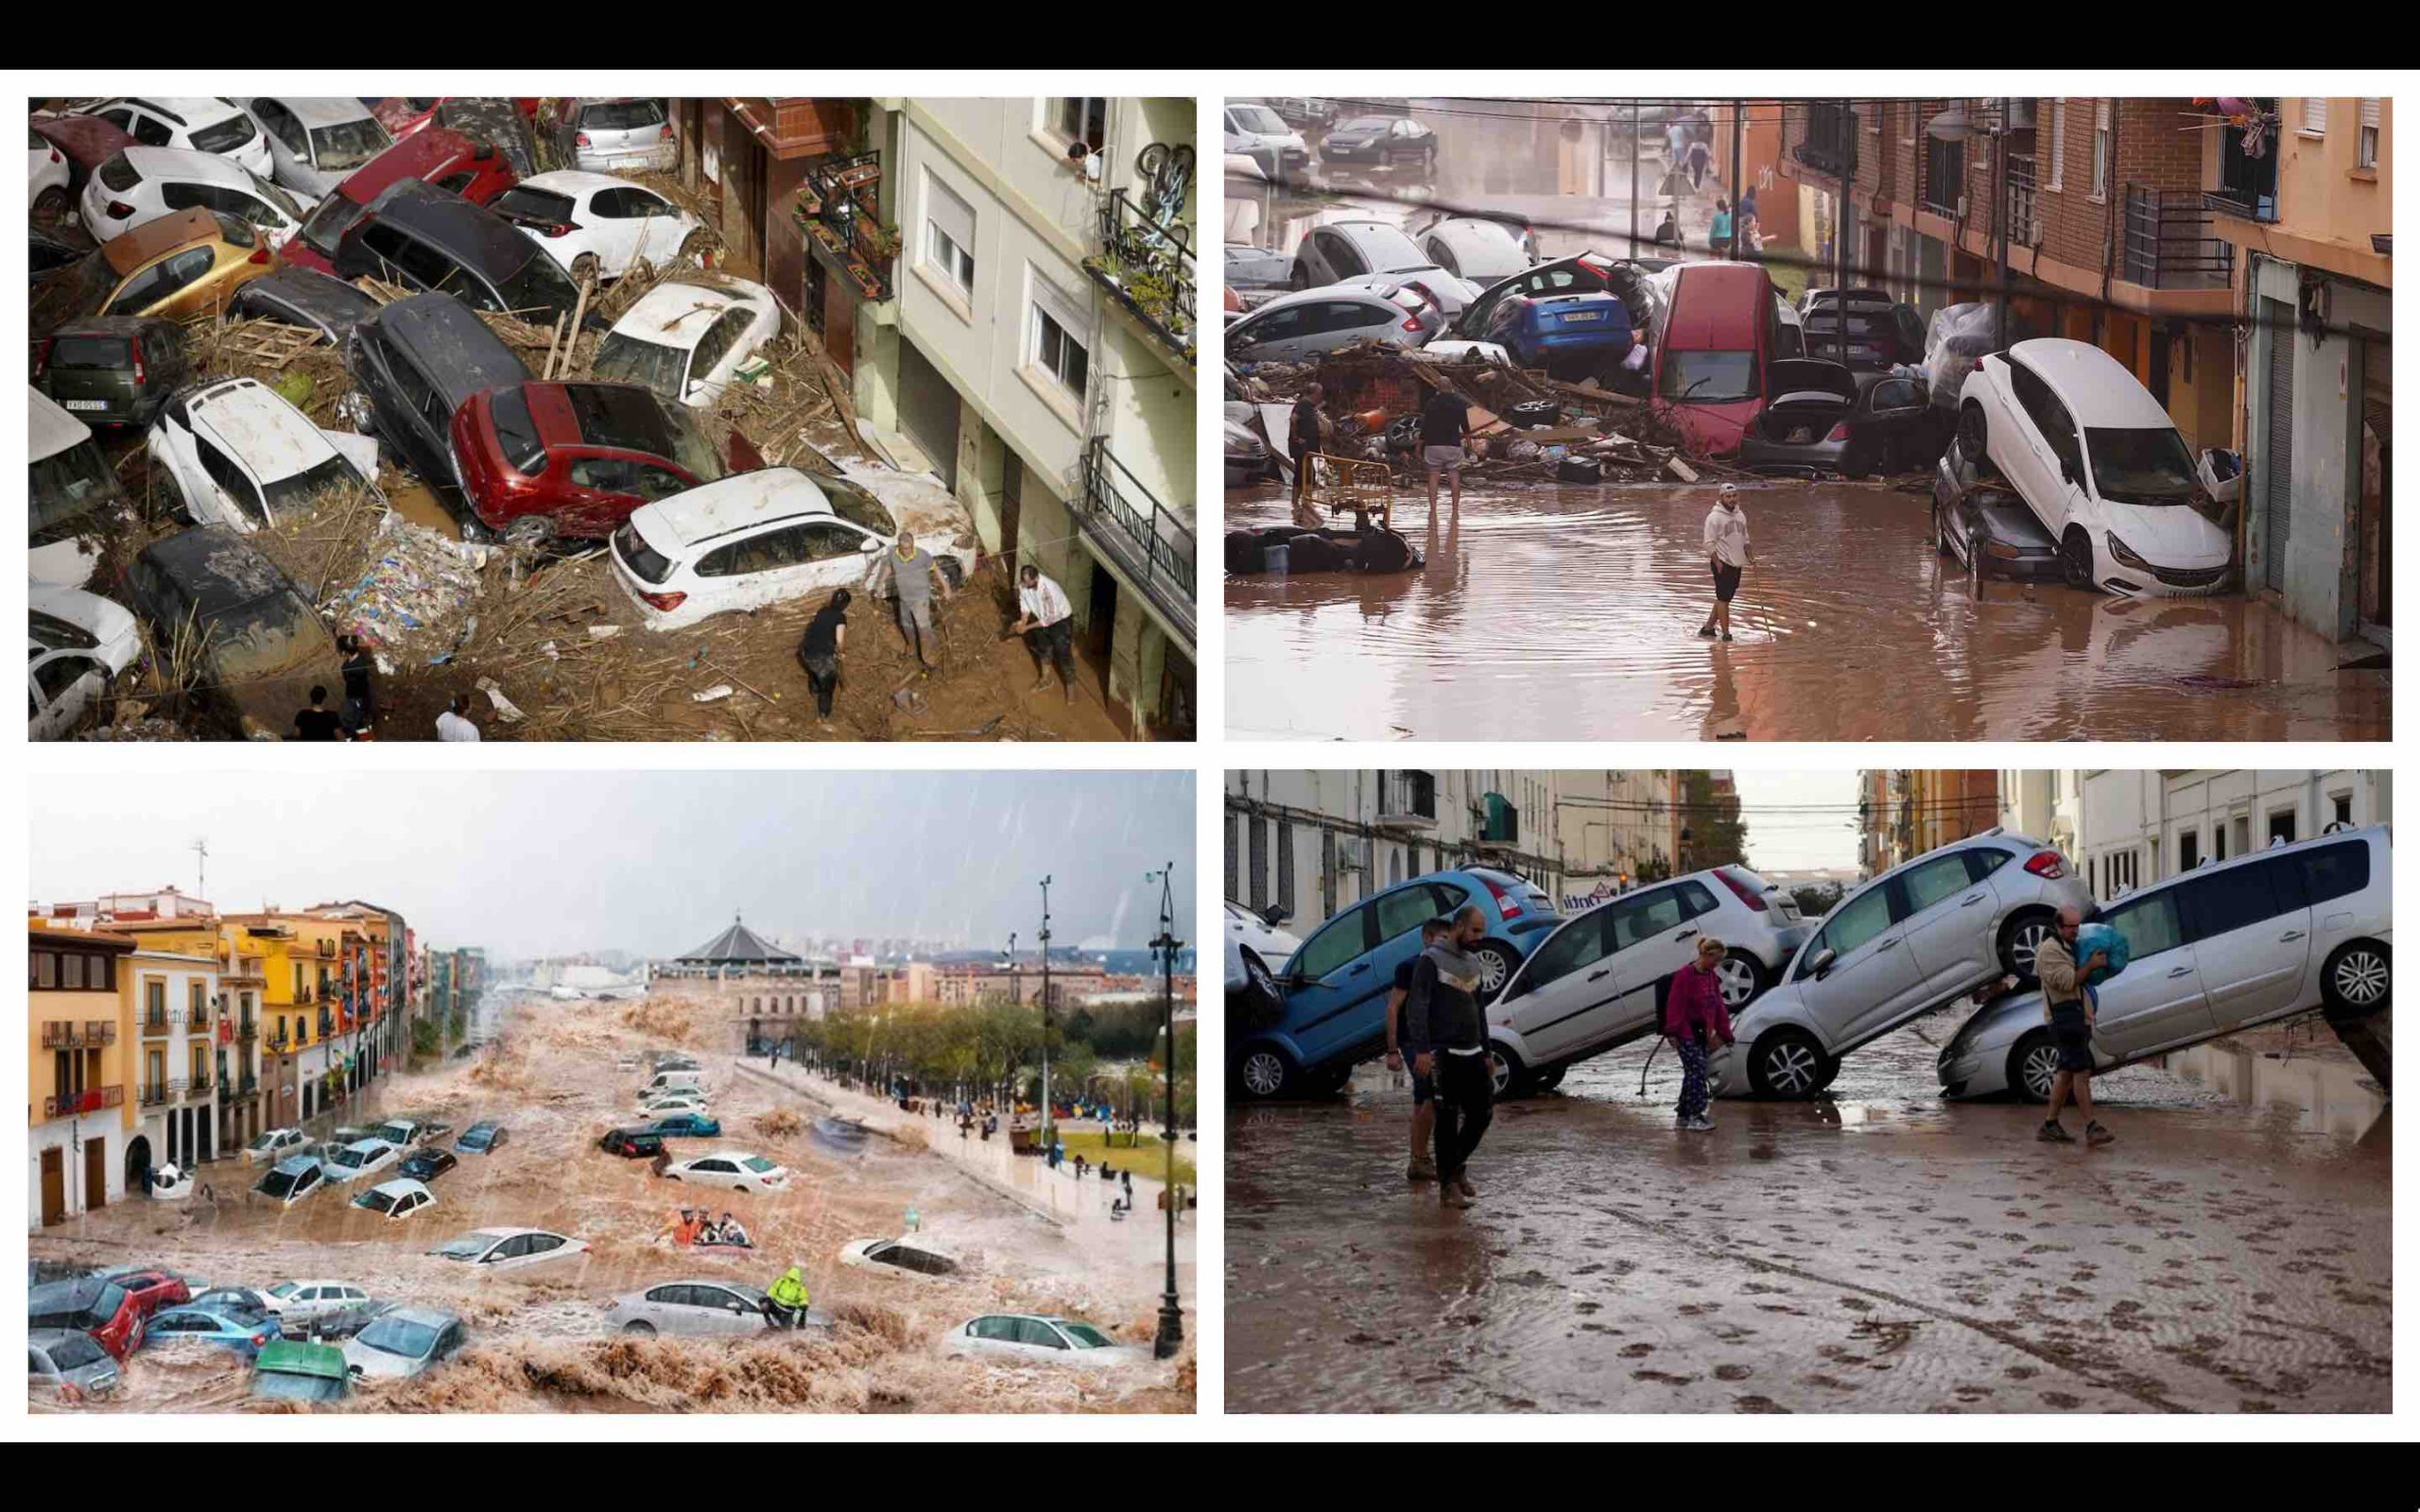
(280, 209)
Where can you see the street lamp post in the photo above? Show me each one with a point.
(1046, 1018)
(1171, 1317)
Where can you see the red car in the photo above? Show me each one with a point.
(103, 1308)
(405, 115)
(545, 459)
(87, 142)
(442, 159)
(155, 1289)
(1721, 330)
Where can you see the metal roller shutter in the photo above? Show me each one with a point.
(2277, 461)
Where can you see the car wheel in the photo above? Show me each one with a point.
(531, 530)
(1741, 977)
(1300, 278)
(583, 268)
(2357, 980)
(644, 1330)
(2020, 937)
(1496, 964)
(1551, 1079)
(2034, 1065)
(1973, 433)
(1504, 1069)
(2075, 557)
(1785, 1063)
(1263, 1072)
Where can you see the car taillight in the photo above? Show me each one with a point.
(42, 358)
(581, 139)
(1839, 432)
(1506, 904)
(1739, 889)
(54, 154)
(666, 130)
(119, 210)
(137, 347)
(562, 228)
(260, 254)
(1411, 320)
(259, 1339)
(2048, 864)
(667, 602)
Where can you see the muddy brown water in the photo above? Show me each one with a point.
(1873, 1251)
(1568, 613)
(537, 1339)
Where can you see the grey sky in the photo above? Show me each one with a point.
(1799, 820)
(538, 863)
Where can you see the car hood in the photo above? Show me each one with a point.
(921, 505)
(2169, 535)
(377, 1364)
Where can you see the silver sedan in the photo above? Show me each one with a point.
(696, 1307)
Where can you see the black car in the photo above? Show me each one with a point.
(1381, 141)
(1987, 528)
(46, 253)
(495, 121)
(113, 369)
(632, 1143)
(1882, 333)
(1822, 421)
(431, 241)
(416, 361)
(307, 298)
(253, 644)
(426, 1165)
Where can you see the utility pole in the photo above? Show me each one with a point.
(1841, 216)
(2000, 213)
(1738, 169)
(202, 869)
(1633, 178)
(1171, 1316)
(1045, 1017)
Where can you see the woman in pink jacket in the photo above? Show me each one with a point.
(1694, 1018)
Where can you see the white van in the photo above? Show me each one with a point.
(688, 1081)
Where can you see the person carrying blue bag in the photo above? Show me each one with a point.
(2070, 1006)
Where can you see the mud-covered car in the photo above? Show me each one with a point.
(113, 369)
(307, 299)
(248, 637)
(2223, 948)
(1983, 526)
(1247, 455)
(1821, 419)
(417, 361)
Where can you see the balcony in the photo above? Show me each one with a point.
(90, 1100)
(2169, 241)
(247, 1032)
(154, 1095)
(1141, 534)
(199, 1086)
(1408, 801)
(155, 1022)
(1499, 822)
(246, 1085)
(2247, 186)
(1147, 265)
(2022, 205)
(91, 1034)
(1830, 144)
(839, 209)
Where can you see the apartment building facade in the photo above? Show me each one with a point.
(2137, 827)
(81, 1103)
(1903, 814)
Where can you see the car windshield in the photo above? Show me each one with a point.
(381, 1201)
(75, 1351)
(232, 132)
(470, 1246)
(266, 1139)
(399, 1336)
(1084, 1335)
(540, 285)
(66, 485)
(350, 1157)
(758, 1164)
(516, 432)
(348, 144)
(284, 1289)
(325, 225)
(522, 203)
(291, 207)
(621, 115)
(858, 507)
(282, 1385)
(304, 491)
(624, 360)
(2143, 465)
(1260, 118)
(283, 1184)
(1709, 377)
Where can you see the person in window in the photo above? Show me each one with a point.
(2070, 1008)
(818, 652)
(1423, 1108)
(1694, 1018)
(1047, 623)
(319, 722)
(1446, 1036)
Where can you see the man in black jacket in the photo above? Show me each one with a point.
(1445, 1033)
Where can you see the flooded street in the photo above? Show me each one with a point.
(1873, 1251)
(1560, 613)
(558, 1075)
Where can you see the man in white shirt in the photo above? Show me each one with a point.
(1726, 551)
(452, 725)
(1047, 623)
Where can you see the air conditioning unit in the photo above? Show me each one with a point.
(2020, 116)
(1352, 854)
(1962, 207)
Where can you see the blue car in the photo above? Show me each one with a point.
(693, 1126)
(1332, 1015)
(232, 1328)
(481, 1138)
(1571, 335)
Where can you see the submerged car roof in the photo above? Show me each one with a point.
(736, 502)
(297, 1357)
(2097, 387)
(187, 164)
(220, 571)
(156, 238)
(679, 315)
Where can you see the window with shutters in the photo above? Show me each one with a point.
(2058, 144)
(1233, 860)
(2366, 154)
(2100, 149)
(1327, 872)
(2315, 117)
(1286, 867)
(1260, 879)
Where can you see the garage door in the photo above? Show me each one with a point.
(928, 411)
(2277, 461)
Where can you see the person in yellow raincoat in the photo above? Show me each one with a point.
(789, 1299)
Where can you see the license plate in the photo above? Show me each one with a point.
(86, 404)
(1578, 317)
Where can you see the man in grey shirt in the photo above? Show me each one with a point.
(909, 571)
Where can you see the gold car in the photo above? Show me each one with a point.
(178, 266)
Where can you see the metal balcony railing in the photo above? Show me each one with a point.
(2022, 203)
(154, 1094)
(1147, 265)
(1145, 536)
(2247, 186)
(840, 211)
(155, 1021)
(67, 1034)
(198, 1085)
(2169, 241)
(90, 1100)
(1407, 798)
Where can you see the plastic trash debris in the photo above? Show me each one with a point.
(603, 633)
(548, 651)
(2093, 937)
(505, 707)
(720, 690)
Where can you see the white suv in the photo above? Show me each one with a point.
(1906, 942)
(1598, 981)
(2219, 949)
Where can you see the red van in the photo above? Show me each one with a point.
(1722, 327)
(447, 160)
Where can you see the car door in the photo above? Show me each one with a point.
(1562, 989)
(1655, 935)
(1871, 975)
(64, 685)
(655, 224)
(2250, 925)
(1894, 410)
(1949, 916)
(1039, 1340)
(1327, 978)
(2026, 454)
(717, 354)
(2158, 999)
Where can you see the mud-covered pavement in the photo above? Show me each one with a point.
(1875, 1251)
(1570, 613)
(539, 1342)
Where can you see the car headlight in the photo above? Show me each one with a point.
(2125, 554)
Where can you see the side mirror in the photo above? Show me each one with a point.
(1273, 916)
(1823, 962)
(869, 546)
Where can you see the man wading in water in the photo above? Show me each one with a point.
(1424, 1110)
(1446, 1038)
(1726, 551)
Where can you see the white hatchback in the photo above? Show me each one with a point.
(79, 641)
(316, 143)
(2101, 464)
(739, 1170)
(595, 225)
(778, 533)
(47, 177)
(241, 456)
(1039, 1340)
(202, 123)
(141, 184)
(685, 340)
(1485, 251)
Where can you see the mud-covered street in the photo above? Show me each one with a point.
(557, 1075)
(1547, 613)
(1873, 1251)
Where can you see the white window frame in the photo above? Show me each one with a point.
(1047, 300)
(2100, 164)
(1051, 111)
(2365, 151)
(949, 227)
(2058, 146)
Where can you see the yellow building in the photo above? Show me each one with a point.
(81, 1038)
(233, 1026)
